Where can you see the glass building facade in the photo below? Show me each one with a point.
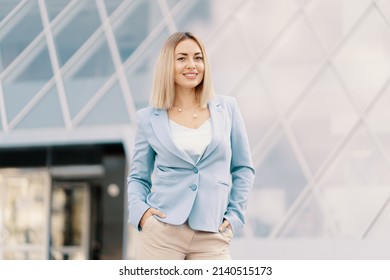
(312, 79)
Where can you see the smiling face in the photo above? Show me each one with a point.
(189, 66)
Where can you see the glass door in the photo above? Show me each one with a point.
(70, 221)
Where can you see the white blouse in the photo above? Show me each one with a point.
(193, 141)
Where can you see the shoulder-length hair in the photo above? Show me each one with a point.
(163, 89)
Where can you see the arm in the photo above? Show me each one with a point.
(241, 170)
(139, 180)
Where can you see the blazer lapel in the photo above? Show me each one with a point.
(161, 128)
(218, 126)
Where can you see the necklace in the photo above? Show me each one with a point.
(194, 110)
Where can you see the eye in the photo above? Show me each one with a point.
(182, 58)
(199, 58)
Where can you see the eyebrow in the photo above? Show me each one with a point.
(186, 54)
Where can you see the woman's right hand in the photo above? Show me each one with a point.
(148, 213)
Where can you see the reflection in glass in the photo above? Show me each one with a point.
(21, 35)
(82, 23)
(279, 181)
(357, 186)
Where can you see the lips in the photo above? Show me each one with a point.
(190, 75)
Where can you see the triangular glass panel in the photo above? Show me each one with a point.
(261, 21)
(55, 7)
(229, 65)
(46, 113)
(15, 41)
(379, 120)
(26, 81)
(140, 73)
(7, 7)
(91, 74)
(322, 119)
(310, 221)
(328, 16)
(363, 59)
(356, 186)
(381, 226)
(258, 113)
(111, 109)
(291, 63)
(135, 25)
(77, 27)
(278, 182)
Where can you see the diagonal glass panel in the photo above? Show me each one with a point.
(7, 7)
(292, 62)
(140, 73)
(172, 3)
(112, 5)
(261, 21)
(334, 18)
(309, 221)
(69, 38)
(322, 120)
(357, 186)
(135, 25)
(229, 60)
(257, 110)
(279, 180)
(47, 113)
(379, 119)
(381, 227)
(363, 61)
(82, 85)
(25, 82)
(20, 35)
(111, 109)
(54, 7)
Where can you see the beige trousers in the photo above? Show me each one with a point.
(162, 241)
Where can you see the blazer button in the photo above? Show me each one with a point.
(195, 170)
(193, 187)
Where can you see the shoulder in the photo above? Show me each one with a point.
(145, 114)
(226, 101)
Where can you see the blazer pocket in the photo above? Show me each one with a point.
(224, 183)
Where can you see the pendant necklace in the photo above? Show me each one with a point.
(195, 113)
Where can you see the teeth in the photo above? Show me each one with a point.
(192, 75)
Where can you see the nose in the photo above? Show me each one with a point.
(191, 64)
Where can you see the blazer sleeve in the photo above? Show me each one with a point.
(139, 179)
(242, 170)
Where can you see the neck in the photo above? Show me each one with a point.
(185, 98)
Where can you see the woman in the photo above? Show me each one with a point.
(191, 171)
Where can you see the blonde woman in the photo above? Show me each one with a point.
(191, 171)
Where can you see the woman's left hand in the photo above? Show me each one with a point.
(224, 226)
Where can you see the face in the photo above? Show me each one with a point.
(189, 66)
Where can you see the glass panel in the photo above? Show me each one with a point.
(69, 221)
(102, 113)
(356, 187)
(140, 73)
(54, 7)
(112, 5)
(379, 119)
(172, 3)
(81, 24)
(363, 60)
(46, 113)
(322, 120)
(6, 7)
(292, 62)
(256, 109)
(261, 21)
(333, 19)
(134, 26)
(309, 221)
(278, 182)
(20, 35)
(82, 85)
(26, 81)
(381, 227)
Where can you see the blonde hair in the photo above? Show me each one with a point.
(163, 90)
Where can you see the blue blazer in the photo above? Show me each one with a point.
(204, 193)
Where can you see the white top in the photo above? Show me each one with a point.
(193, 141)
